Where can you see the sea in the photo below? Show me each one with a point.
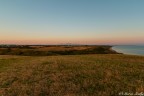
(129, 49)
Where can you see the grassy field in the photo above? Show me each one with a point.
(71, 75)
(49, 50)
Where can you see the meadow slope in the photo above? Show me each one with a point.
(71, 75)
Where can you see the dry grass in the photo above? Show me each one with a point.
(75, 75)
(63, 48)
(55, 50)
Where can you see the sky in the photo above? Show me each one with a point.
(72, 21)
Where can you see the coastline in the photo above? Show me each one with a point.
(129, 49)
(111, 49)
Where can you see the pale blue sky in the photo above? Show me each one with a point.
(72, 21)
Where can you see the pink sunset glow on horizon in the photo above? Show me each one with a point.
(67, 41)
(76, 22)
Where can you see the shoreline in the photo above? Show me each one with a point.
(111, 49)
(126, 51)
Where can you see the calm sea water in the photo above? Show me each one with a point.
(130, 49)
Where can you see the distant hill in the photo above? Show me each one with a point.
(47, 50)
